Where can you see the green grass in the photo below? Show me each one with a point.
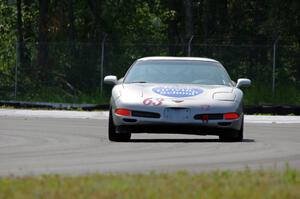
(58, 96)
(262, 94)
(212, 185)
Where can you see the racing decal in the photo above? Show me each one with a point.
(177, 92)
(153, 101)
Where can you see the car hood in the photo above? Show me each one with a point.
(177, 93)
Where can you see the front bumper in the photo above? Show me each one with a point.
(164, 125)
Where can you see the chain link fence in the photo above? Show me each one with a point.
(73, 71)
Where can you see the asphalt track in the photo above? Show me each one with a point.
(32, 145)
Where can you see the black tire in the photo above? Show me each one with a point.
(113, 135)
(234, 135)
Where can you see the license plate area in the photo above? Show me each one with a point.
(177, 114)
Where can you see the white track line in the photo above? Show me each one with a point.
(104, 115)
(54, 114)
(272, 119)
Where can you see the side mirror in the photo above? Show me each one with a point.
(110, 79)
(243, 82)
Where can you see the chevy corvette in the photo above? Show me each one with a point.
(186, 95)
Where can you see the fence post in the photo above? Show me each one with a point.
(274, 66)
(189, 46)
(102, 61)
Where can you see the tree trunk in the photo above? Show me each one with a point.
(95, 6)
(209, 19)
(43, 39)
(189, 26)
(172, 28)
(27, 36)
(20, 41)
(223, 18)
(71, 21)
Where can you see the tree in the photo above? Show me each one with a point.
(172, 21)
(20, 44)
(71, 20)
(95, 6)
(189, 26)
(43, 38)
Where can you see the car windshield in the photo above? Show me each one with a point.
(184, 72)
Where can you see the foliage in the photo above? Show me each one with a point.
(218, 184)
(7, 35)
(7, 45)
(62, 41)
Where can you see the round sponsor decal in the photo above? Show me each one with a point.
(177, 92)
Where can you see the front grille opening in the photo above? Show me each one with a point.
(129, 120)
(210, 116)
(177, 108)
(224, 123)
(145, 114)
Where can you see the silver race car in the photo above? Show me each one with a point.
(176, 95)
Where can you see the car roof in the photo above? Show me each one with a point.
(177, 59)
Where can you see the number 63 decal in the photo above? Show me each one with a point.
(153, 101)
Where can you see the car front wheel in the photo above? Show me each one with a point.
(234, 135)
(113, 135)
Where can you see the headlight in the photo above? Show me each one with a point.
(224, 96)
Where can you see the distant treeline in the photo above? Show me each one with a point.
(59, 43)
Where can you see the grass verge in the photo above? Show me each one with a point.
(262, 94)
(56, 95)
(218, 184)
